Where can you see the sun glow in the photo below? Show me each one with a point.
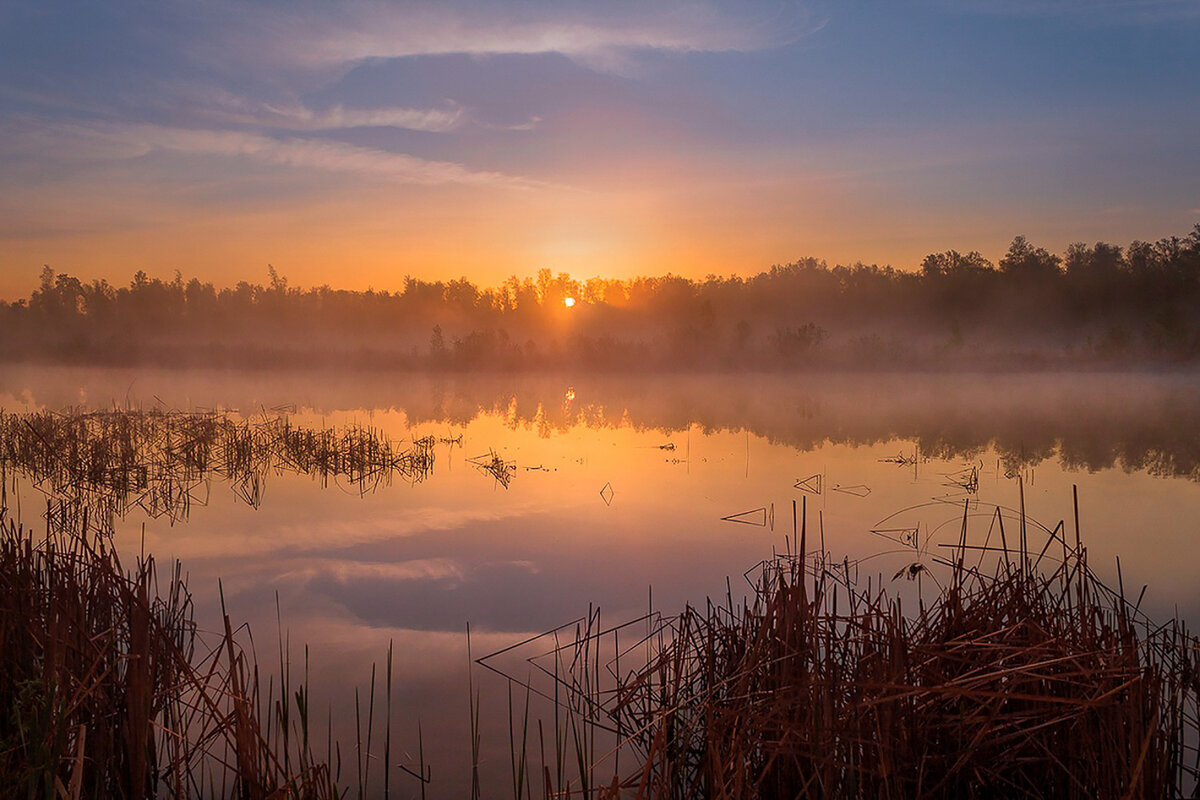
(568, 301)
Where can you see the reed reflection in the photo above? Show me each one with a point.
(1089, 421)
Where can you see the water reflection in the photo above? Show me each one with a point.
(95, 466)
(1088, 421)
(616, 495)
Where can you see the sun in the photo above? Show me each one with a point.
(568, 301)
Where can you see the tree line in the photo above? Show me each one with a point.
(1092, 303)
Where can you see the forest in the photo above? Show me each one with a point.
(1104, 304)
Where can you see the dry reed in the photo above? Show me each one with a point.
(108, 690)
(1023, 676)
(106, 463)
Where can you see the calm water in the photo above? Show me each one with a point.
(621, 485)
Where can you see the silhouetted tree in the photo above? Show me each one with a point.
(1023, 260)
(1137, 303)
(952, 263)
(1102, 262)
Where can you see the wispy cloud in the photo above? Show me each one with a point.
(214, 106)
(427, 569)
(599, 34)
(1108, 11)
(105, 141)
(319, 154)
(436, 120)
(527, 125)
(221, 107)
(449, 570)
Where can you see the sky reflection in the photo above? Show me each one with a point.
(417, 563)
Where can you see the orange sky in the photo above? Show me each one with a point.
(355, 144)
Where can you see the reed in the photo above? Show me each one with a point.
(491, 463)
(1024, 675)
(108, 690)
(106, 686)
(106, 463)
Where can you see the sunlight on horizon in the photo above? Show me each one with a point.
(353, 142)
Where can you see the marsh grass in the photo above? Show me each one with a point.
(1023, 675)
(106, 463)
(108, 689)
(491, 463)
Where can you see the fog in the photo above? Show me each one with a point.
(1098, 304)
(1088, 420)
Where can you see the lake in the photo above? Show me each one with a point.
(626, 494)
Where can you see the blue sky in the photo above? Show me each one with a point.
(354, 143)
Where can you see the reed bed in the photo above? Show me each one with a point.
(1023, 675)
(491, 463)
(105, 463)
(108, 689)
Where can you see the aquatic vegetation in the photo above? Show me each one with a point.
(105, 463)
(108, 690)
(491, 463)
(1023, 676)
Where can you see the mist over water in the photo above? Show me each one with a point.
(619, 491)
(1089, 420)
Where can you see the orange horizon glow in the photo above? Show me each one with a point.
(355, 144)
(374, 261)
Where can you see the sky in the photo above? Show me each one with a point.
(354, 143)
